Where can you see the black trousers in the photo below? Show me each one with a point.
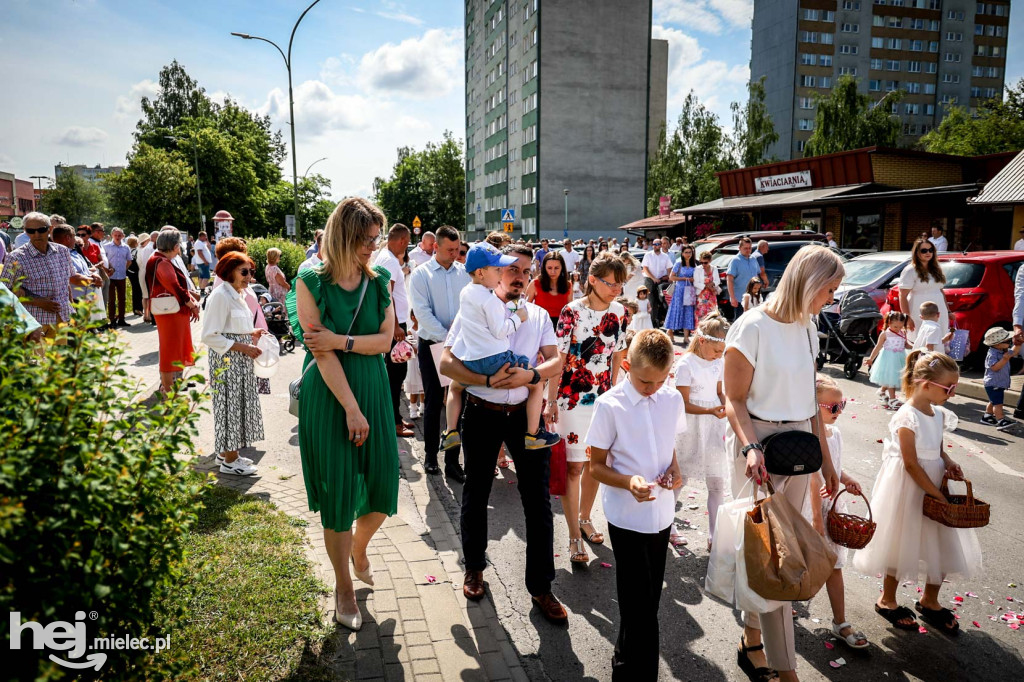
(639, 573)
(483, 432)
(657, 299)
(133, 278)
(115, 302)
(1019, 411)
(396, 376)
(433, 408)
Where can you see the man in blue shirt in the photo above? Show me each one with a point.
(118, 256)
(435, 287)
(538, 258)
(742, 268)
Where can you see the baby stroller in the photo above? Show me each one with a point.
(846, 338)
(278, 323)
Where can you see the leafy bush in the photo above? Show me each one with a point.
(89, 476)
(292, 256)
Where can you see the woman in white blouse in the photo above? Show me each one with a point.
(920, 282)
(231, 334)
(770, 343)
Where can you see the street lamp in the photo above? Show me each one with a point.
(291, 106)
(199, 193)
(39, 183)
(565, 235)
(311, 165)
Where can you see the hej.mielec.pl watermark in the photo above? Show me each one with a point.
(72, 638)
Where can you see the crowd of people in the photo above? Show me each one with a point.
(527, 352)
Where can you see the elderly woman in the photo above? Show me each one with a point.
(226, 245)
(777, 339)
(229, 333)
(165, 281)
(147, 245)
(343, 314)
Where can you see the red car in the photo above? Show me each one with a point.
(979, 293)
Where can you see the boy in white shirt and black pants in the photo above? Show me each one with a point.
(628, 424)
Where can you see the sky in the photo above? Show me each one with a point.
(369, 76)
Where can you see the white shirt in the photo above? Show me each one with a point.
(226, 313)
(419, 256)
(202, 247)
(142, 257)
(179, 263)
(940, 243)
(310, 262)
(783, 357)
(702, 376)
(631, 427)
(928, 332)
(832, 243)
(658, 264)
(534, 334)
(486, 324)
(571, 258)
(1019, 245)
(399, 295)
(103, 253)
(675, 248)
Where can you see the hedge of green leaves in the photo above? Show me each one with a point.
(292, 256)
(89, 480)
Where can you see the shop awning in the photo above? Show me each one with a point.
(777, 200)
(658, 222)
(896, 194)
(1007, 187)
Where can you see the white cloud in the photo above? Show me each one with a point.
(318, 110)
(715, 82)
(412, 123)
(708, 16)
(77, 136)
(739, 13)
(6, 161)
(424, 67)
(338, 70)
(401, 16)
(127, 106)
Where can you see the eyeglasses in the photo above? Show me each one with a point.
(372, 242)
(926, 250)
(950, 390)
(35, 230)
(834, 408)
(610, 285)
(245, 272)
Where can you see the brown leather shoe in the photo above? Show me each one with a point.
(402, 432)
(551, 608)
(473, 585)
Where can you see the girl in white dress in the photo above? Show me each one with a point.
(891, 355)
(413, 382)
(700, 449)
(830, 406)
(922, 281)
(642, 318)
(635, 274)
(907, 544)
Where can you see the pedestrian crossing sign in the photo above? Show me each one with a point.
(508, 215)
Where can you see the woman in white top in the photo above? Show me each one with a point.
(922, 281)
(773, 341)
(635, 274)
(231, 335)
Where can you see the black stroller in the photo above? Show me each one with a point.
(847, 337)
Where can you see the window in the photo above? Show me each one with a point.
(933, 46)
(530, 165)
(826, 82)
(950, 78)
(811, 14)
(934, 25)
(805, 124)
(808, 37)
(529, 195)
(914, 67)
(954, 36)
(512, 40)
(894, 44)
(529, 225)
(916, 24)
(995, 31)
(848, 49)
(824, 60)
(895, 22)
(892, 86)
(953, 15)
(828, 15)
(851, 5)
(912, 87)
(950, 99)
(851, 28)
(808, 81)
(878, 20)
(931, 67)
(892, 65)
(975, 92)
(874, 85)
(847, 70)
(952, 56)
(806, 102)
(530, 134)
(807, 59)
(878, 43)
(929, 88)
(530, 103)
(915, 45)
(827, 38)
(800, 144)
(533, 38)
(996, 51)
(910, 129)
(911, 109)
(876, 64)
(929, 109)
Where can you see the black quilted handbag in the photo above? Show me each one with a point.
(794, 453)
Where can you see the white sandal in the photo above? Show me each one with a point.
(852, 638)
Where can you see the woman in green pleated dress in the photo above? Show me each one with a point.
(346, 426)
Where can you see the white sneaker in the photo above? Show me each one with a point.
(238, 468)
(243, 460)
(414, 411)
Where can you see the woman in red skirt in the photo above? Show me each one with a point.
(166, 282)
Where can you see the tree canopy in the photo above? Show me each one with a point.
(753, 129)
(847, 119)
(998, 127)
(75, 198)
(430, 184)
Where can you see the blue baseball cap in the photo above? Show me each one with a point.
(484, 255)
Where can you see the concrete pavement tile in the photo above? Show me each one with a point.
(418, 653)
(401, 534)
(459, 661)
(398, 569)
(425, 667)
(511, 657)
(389, 623)
(486, 641)
(369, 664)
(405, 587)
(411, 609)
(421, 569)
(494, 665)
(385, 600)
(519, 675)
(415, 626)
(368, 636)
(418, 639)
(442, 609)
(432, 677)
(416, 550)
(394, 649)
(396, 672)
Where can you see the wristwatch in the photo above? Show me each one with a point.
(348, 344)
(752, 446)
(536, 377)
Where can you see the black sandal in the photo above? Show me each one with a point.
(743, 661)
(894, 616)
(939, 618)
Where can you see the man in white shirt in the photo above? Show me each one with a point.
(831, 241)
(569, 255)
(938, 239)
(1019, 245)
(677, 245)
(656, 265)
(398, 240)
(496, 413)
(205, 257)
(424, 250)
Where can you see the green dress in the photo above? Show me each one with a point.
(344, 482)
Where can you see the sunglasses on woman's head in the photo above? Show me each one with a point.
(834, 408)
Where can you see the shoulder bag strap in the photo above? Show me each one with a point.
(359, 306)
(814, 383)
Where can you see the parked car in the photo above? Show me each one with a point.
(979, 293)
(726, 239)
(872, 273)
(775, 262)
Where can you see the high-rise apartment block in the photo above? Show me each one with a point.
(560, 95)
(938, 52)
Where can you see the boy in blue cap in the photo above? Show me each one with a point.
(483, 346)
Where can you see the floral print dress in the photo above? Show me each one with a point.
(588, 338)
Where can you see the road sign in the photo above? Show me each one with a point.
(664, 205)
(17, 222)
(289, 224)
(508, 215)
(507, 226)
(416, 230)
(416, 222)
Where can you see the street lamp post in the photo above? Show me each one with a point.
(291, 107)
(565, 235)
(199, 192)
(311, 165)
(39, 183)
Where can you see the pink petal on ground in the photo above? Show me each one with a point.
(971, 594)
(919, 590)
(957, 616)
(975, 624)
(605, 564)
(430, 579)
(834, 664)
(1009, 599)
(558, 555)
(511, 482)
(958, 599)
(991, 601)
(830, 645)
(878, 575)
(922, 629)
(1014, 626)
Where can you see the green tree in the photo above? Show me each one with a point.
(157, 188)
(314, 205)
(180, 98)
(686, 162)
(430, 184)
(753, 129)
(75, 198)
(846, 119)
(998, 127)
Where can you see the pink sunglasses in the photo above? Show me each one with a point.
(950, 390)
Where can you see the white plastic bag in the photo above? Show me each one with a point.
(265, 366)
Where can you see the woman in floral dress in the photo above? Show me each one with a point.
(592, 340)
(680, 315)
(706, 276)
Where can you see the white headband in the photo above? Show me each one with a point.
(708, 337)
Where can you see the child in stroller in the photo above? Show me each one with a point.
(277, 322)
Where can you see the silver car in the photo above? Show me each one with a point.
(872, 273)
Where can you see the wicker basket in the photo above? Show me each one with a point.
(847, 530)
(959, 511)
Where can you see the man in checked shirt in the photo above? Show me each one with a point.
(41, 272)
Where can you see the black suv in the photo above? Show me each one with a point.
(775, 262)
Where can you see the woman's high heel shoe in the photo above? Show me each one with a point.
(353, 621)
(363, 576)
